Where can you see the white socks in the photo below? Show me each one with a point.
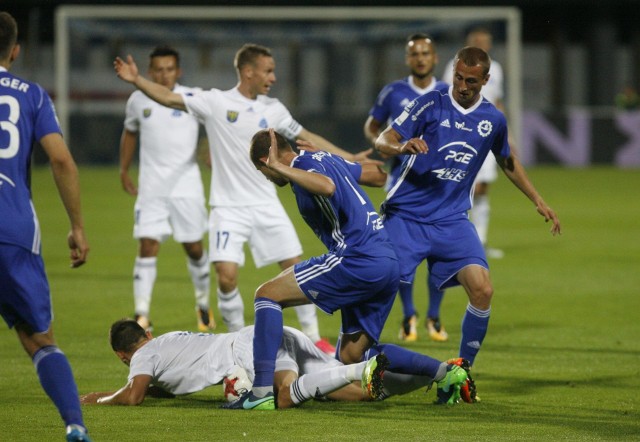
(324, 382)
(480, 216)
(199, 271)
(308, 321)
(144, 277)
(231, 309)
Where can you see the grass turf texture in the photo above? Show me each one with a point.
(560, 361)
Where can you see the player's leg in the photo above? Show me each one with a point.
(434, 325)
(150, 229)
(229, 229)
(477, 283)
(26, 305)
(189, 222)
(308, 317)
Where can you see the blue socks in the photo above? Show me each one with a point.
(266, 341)
(406, 361)
(435, 299)
(406, 296)
(474, 328)
(57, 381)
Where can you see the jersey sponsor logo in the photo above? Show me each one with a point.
(461, 126)
(484, 128)
(446, 123)
(450, 174)
(176, 113)
(415, 116)
(232, 116)
(146, 112)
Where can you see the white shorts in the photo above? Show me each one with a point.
(160, 217)
(267, 228)
(296, 353)
(488, 173)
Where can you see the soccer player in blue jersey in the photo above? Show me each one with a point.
(421, 57)
(448, 136)
(358, 275)
(27, 117)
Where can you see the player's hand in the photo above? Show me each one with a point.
(549, 215)
(363, 157)
(90, 398)
(127, 184)
(414, 146)
(272, 161)
(78, 246)
(126, 70)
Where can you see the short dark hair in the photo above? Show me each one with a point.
(125, 334)
(8, 34)
(165, 51)
(260, 144)
(472, 56)
(419, 36)
(249, 53)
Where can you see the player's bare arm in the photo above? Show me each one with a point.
(319, 143)
(372, 175)
(131, 394)
(315, 183)
(65, 175)
(518, 176)
(128, 143)
(390, 143)
(128, 71)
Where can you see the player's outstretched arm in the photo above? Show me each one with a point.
(518, 176)
(65, 175)
(318, 142)
(372, 175)
(128, 71)
(131, 394)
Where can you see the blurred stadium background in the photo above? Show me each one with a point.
(576, 58)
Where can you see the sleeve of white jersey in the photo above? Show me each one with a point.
(285, 123)
(199, 103)
(131, 122)
(143, 363)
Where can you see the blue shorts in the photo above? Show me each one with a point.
(362, 288)
(24, 290)
(448, 246)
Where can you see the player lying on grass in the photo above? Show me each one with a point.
(179, 363)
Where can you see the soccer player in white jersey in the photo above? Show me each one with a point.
(449, 136)
(358, 275)
(494, 92)
(170, 196)
(27, 119)
(421, 57)
(244, 207)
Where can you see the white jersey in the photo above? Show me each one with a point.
(231, 120)
(493, 90)
(186, 362)
(168, 145)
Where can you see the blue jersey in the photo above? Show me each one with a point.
(439, 184)
(26, 115)
(391, 101)
(346, 223)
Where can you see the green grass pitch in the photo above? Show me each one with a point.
(560, 361)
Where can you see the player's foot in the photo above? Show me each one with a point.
(409, 331)
(325, 346)
(372, 376)
(144, 322)
(449, 387)
(77, 433)
(436, 330)
(206, 322)
(250, 402)
(468, 392)
(493, 253)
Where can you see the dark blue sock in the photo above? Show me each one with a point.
(57, 381)
(406, 361)
(406, 296)
(474, 328)
(266, 340)
(435, 299)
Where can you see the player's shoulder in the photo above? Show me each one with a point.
(14, 85)
(441, 86)
(269, 101)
